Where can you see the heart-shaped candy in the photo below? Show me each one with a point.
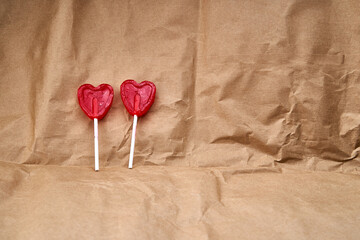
(95, 101)
(137, 97)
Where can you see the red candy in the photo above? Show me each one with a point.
(95, 101)
(137, 97)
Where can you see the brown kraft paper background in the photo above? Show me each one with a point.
(254, 133)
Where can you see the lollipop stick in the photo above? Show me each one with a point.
(95, 109)
(96, 143)
(132, 142)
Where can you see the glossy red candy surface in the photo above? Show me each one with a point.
(95, 101)
(137, 97)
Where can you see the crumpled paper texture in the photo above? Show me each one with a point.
(238, 85)
(244, 88)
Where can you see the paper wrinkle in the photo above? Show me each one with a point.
(12, 182)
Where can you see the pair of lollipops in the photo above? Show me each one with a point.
(96, 102)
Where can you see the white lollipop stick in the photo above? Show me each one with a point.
(132, 142)
(96, 143)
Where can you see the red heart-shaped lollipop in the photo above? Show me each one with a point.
(95, 101)
(137, 97)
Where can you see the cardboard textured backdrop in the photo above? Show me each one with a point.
(254, 133)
